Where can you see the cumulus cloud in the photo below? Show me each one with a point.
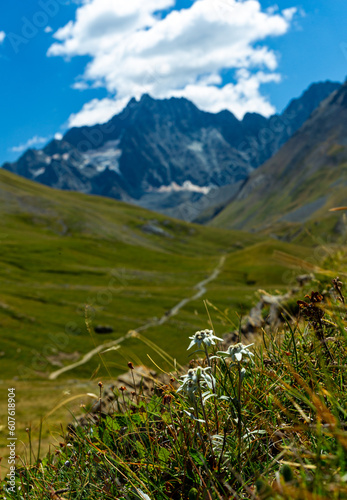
(97, 111)
(137, 47)
(34, 141)
(2, 36)
(244, 95)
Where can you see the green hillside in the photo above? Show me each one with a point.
(61, 251)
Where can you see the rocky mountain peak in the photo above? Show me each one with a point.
(166, 154)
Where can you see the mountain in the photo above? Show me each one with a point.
(167, 155)
(302, 181)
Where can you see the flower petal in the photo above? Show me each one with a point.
(238, 356)
(191, 344)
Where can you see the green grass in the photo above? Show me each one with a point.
(34, 401)
(269, 426)
(62, 252)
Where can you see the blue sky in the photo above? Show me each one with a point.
(74, 62)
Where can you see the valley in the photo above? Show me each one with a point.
(117, 265)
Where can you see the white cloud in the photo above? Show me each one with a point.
(135, 51)
(244, 95)
(80, 85)
(58, 136)
(48, 29)
(288, 14)
(97, 111)
(2, 36)
(34, 141)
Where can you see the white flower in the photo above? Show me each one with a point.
(141, 494)
(189, 387)
(197, 375)
(194, 378)
(235, 352)
(203, 337)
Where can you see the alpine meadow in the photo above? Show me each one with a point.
(173, 250)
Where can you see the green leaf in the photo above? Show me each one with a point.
(141, 450)
(164, 455)
(197, 457)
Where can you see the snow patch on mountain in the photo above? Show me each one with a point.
(105, 157)
(36, 173)
(186, 186)
(196, 146)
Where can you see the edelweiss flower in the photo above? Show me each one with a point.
(189, 387)
(203, 337)
(194, 378)
(235, 352)
(141, 494)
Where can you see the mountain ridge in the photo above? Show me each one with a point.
(302, 181)
(166, 155)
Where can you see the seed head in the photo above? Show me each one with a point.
(167, 399)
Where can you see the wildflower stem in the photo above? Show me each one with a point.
(320, 334)
(203, 410)
(207, 424)
(228, 372)
(199, 427)
(223, 447)
(293, 340)
(100, 401)
(135, 390)
(214, 390)
(239, 422)
(207, 356)
(174, 431)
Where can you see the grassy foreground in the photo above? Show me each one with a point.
(264, 421)
(61, 252)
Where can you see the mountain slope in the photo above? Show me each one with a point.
(67, 256)
(61, 251)
(166, 155)
(301, 182)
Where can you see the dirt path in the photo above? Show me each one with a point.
(201, 290)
